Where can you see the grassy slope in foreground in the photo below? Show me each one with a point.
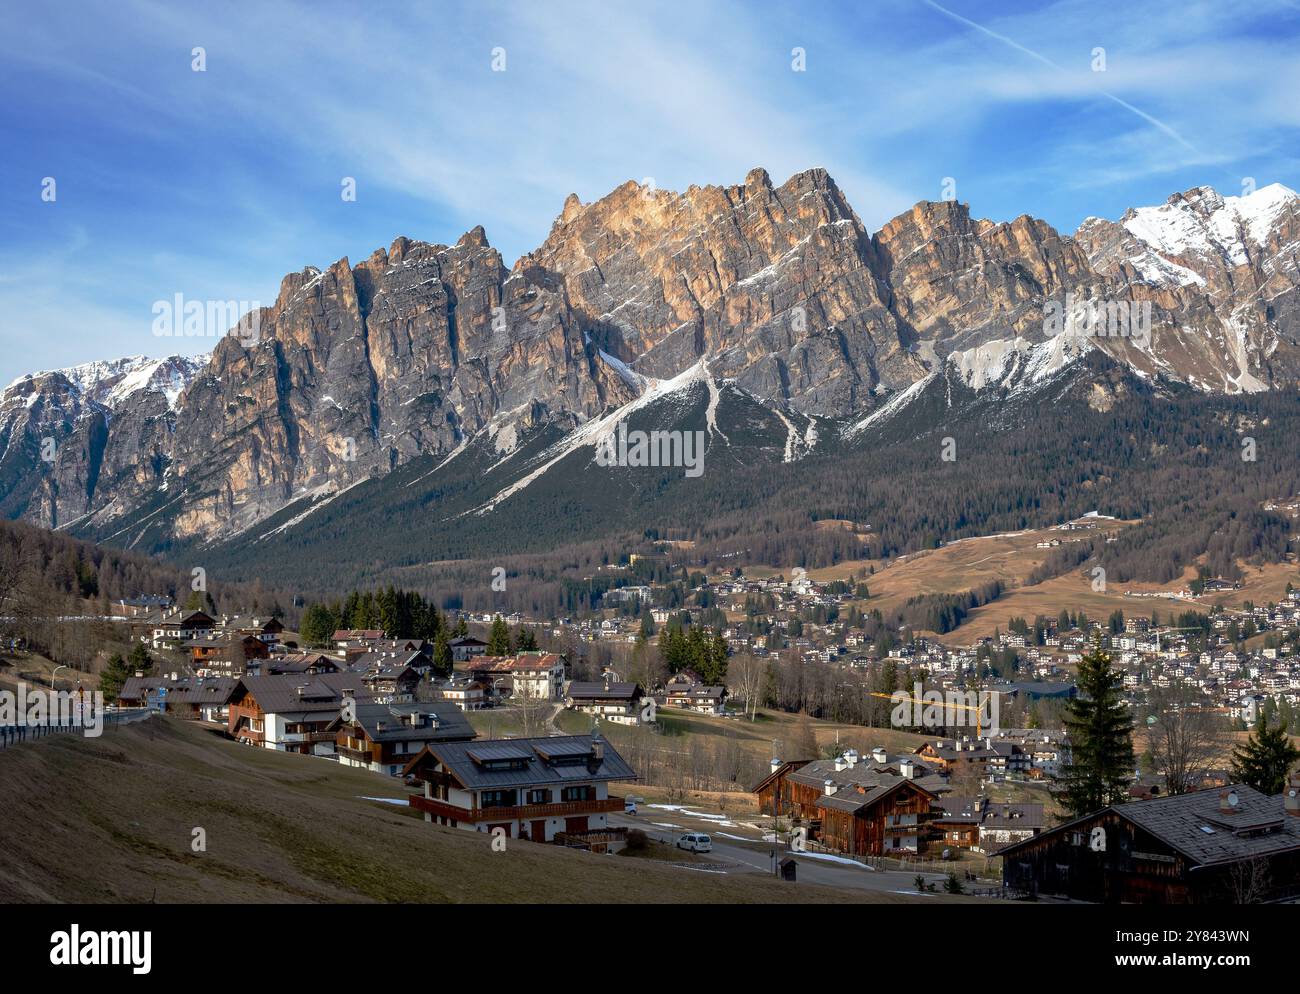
(110, 819)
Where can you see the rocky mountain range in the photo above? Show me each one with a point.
(770, 305)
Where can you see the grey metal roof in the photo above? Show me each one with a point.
(278, 694)
(186, 690)
(450, 722)
(457, 758)
(599, 690)
(865, 772)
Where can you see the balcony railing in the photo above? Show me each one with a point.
(517, 812)
(356, 755)
(307, 737)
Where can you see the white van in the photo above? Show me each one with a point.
(695, 843)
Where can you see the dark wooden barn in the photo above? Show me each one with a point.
(1229, 846)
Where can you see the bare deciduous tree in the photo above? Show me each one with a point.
(1188, 736)
(1248, 881)
(746, 674)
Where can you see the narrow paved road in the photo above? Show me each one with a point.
(733, 856)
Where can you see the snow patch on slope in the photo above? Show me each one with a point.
(891, 407)
(1205, 223)
(596, 431)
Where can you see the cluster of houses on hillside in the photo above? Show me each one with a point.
(1226, 845)
(543, 790)
(900, 805)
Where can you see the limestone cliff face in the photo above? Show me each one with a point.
(360, 368)
(1222, 273)
(779, 287)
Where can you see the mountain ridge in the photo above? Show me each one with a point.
(779, 290)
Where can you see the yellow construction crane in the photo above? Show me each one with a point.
(979, 715)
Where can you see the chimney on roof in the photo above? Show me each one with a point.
(1228, 802)
(776, 764)
(851, 757)
(907, 769)
(828, 786)
(840, 764)
(879, 754)
(597, 749)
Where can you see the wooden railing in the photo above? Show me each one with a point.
(521, 811)
(359, 755)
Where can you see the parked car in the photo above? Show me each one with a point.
(629, 806)
(695, 843)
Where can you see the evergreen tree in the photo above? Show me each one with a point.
(499, 639)
(318, 625)
(442, 661)
(1266, 758)
(714, 669)
(1100, 729)
(139, 660)
(527, 641)
(113, 676)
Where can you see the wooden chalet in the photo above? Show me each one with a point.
(384, 737)
(351, 638)
(1228, 846)
(542, 789)
(860, 808)
(228, 656)
(291, 712)
(982, 825)
(700, 698)
(612, 700)
(466, 647)
(171, 626)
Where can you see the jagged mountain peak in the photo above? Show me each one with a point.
(107, 383)
(777, 291)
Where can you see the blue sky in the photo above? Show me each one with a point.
(215, 184)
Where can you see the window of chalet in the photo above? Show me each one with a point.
(497, 798)
(539, 797)
(583, 793)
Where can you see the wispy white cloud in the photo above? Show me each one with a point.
(216, 183)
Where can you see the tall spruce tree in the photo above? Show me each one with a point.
(499, 639)
(442, 661)
(1100, 729)
(1266, 758)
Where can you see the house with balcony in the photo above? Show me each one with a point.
(228, 656)
(538, 675)
(540, 789)
(291, 712)
(700, 698)
(172, 626)
(388, 678)
(466, 694)
(384, 737)
(859, 807)
(356, 638)
(466, 647)
(609, 699)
